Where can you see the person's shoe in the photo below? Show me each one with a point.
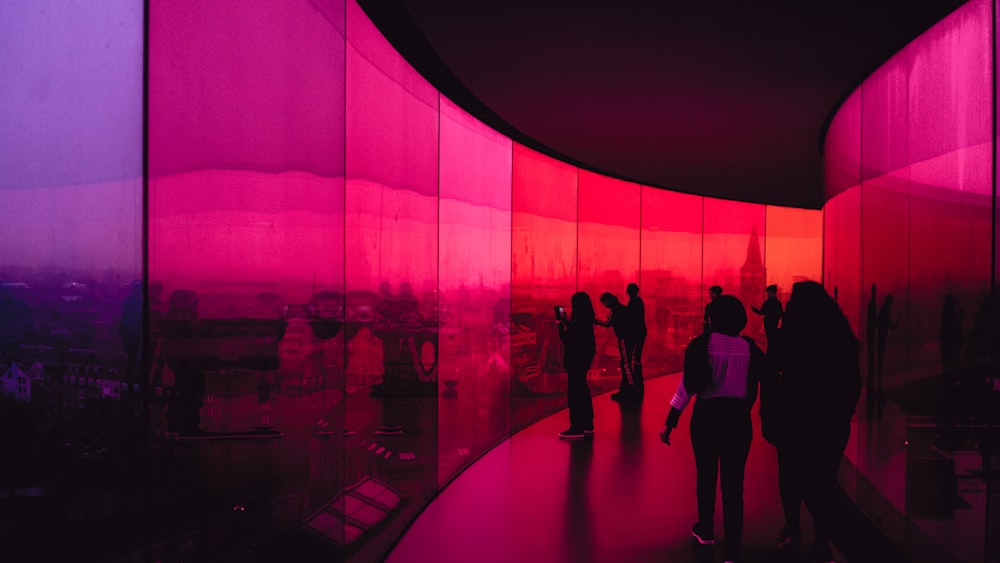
(790, 537)
(820, 553)
(571, 434)
(702, 536)
(589, 432)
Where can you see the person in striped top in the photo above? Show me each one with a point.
(721, 429)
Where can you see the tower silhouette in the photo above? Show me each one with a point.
(753, 279)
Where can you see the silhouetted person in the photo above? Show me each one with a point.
(951, 338)
(130, 330)
(806, 409)
(885, 324)
(184, 411)
(637, 316)
(618, 319)
(577, 335)
(771, 310)
(871, 328)
(713, 293)
(721, 429)
(975, 379)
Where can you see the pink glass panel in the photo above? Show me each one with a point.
(671, 278)
(543, 274)
(475, 220)
(391, 267)
(246, 243)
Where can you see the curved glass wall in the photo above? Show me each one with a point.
(328, 290)
(908, 234)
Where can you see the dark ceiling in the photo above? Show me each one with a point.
(724, 99)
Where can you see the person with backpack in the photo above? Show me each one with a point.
(723, 370)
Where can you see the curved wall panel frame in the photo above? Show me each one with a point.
(345, 281)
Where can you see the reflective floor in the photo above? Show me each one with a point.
(624, 496)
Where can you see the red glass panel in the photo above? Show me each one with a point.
(734, 254)
(793, 248)
(543, 274)
(608, 242)
(671, 280)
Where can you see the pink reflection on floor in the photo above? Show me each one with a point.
(624, 496)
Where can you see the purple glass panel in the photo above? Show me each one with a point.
(71, 316)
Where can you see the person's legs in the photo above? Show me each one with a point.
(625, 363)
(706, 459)
(637, 364)
(820, 480)
(577, 397)
(735, 437)
(789, 483)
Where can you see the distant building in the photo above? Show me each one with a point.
(16, 384)
(753, 280)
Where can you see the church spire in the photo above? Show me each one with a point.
(754, 260)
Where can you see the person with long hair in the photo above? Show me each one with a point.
(577, 335)
(723, 370)
(806, 409)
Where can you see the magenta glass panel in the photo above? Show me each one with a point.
(842, 147)
(608, 250)
(949, 94)
(926, 223)
(734, 255)
(671, 279)
(475, 220)
(543, 274)
(246, 263)
(842, 255)
(884, 116)
(842, 279)
(391, 268)
(70, 278)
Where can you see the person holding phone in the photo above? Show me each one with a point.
(577, 335)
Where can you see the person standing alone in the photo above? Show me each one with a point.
(577, 335)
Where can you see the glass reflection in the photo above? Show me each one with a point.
(920, 290)
(71, 253)
(543, 274)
